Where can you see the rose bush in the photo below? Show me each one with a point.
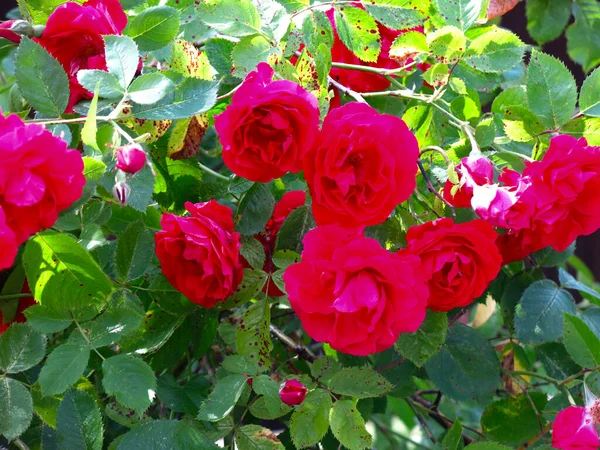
(284, 225)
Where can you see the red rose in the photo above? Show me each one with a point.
(131, 158)
(362, 165)
(290, 201)
(8, 243)
(351, 293)
(199, 254)
(472, 171)
(574, 429)
(7, 34)
(458, 260)
(39, 176)
(268, 128)
(73, 35)
(359, 80)
(292, 393)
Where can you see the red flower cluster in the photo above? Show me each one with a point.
(39, 177)
(553, 202)
(199, 254)
(73, 35)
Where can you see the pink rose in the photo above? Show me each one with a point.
(362, 165)
(131, 158)
(351, 293)
(7, 34)
(459, 260)
(472, 171)
(268, 128)
(292, 393)
(199, 254)
(8, 243)
(39, 176)
(73, 35)
(574, 429)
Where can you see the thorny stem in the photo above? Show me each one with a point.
(510, 152)
(308, 8)
(212, 172)
(435, 148)
(391, 365)
(346, 90)
(301, 351)
(421, 420)
(434, 190)
(531, 403)
(11, 296)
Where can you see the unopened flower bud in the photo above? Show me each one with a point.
(292, 393)
(131, 158)
(121, 192)
(6, 31)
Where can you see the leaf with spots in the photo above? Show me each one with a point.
(310, 421)
(459, 13)
(223, 398)
(348, 426)
(359, 382)
(358, 31)
(426, 341)
(253, 338)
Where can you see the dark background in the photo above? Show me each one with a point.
(516, 21)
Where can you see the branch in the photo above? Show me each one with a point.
(301, 351)
(434, 190)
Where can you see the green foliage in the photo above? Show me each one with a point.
(310, 421)
(154, 28)
(21, 348)
(547, 19)
(255, 209)
(460, 13)
(230, 17)
(16, 408)
(496, 50)
(63, 368)
(581, 342)
(421, 345)
(348, 426)
(223, 398)
(253, 338)
(79, 423)
(130, 380)
(359, 382)
(358, 31)
(589, 102)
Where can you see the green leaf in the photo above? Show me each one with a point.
(62, 274)
(310, 420)
(240, 364)
(317, 30)
(546, 19)
(275, 20)
(108, 84)
(587, 127)
(421, 345)
(583, 36)
(513, 420)
(447, 44)
(168, 298)
(253, 338)
(223, 398)
(90, 128)
(293, 229)
(466, 368)
(142, 188)
(539, 314)
(21, 348)
(41, 79)
(150, 88)
(269, 389)
(453, 438)
(359, 382)
(260, 410)
(230, 17)
(16, 408)
(250, 51)
(589, 99)
(460, 13)
(581, 342)
(63, 368)
(40, 10)
(348, 426)
(409, 45)
(219, 51)
(79, 422)
(165, 435)
(93, 170)
(255, 437)
(397, 14)
(556, 360)
(193, 96)
(497, 50)
(256, 209)
(156, 329)
(551, 90)
(185, 398)
(47, 320)
(358, 32)
(135, 249)
(131, 380)
(121, 58)
(253, 251)
(285, 258)
(567, 281)
(45, 407)
(154, 28)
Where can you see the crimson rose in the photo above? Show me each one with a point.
(458, 260)
(268, 128)
(351, 293)
(199, 254)
(362, 165)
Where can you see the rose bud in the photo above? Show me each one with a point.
(131, 158)
(6, 31)
(292, 393)
(121, 192)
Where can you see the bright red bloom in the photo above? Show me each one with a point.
(292, 393)
(362, 165)
(73, 35)
(131, 158)
(7, 34)
(574, 429)
(199, 254)
(458, 260)
(290, 201)
(353, 294)
(472, 171)
(8, 243)
(268, 128)
(39, 176)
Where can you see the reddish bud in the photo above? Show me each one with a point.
(121, 191)
(292, 393)
(131, 158)
(6, 33)
(249, 381)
